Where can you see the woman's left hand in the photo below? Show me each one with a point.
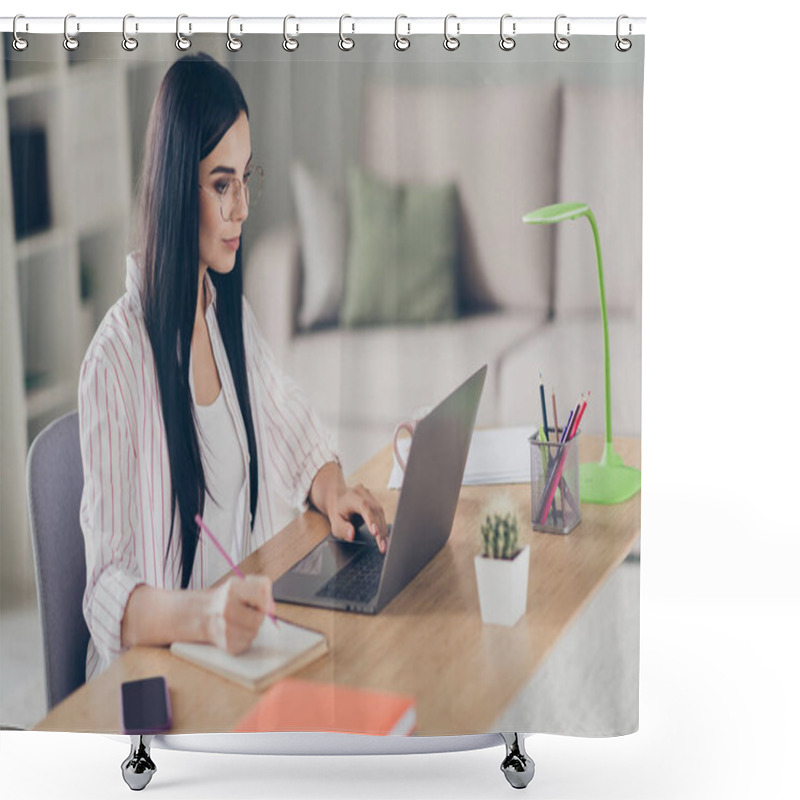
(351, 500)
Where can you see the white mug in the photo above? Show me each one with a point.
(409, 426)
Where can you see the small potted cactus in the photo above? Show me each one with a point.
(502, 566)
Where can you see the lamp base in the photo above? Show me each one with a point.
(609, 481)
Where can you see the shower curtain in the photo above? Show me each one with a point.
(385, 261)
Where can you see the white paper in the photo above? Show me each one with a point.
(496, 455)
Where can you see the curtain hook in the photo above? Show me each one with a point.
(346, 43)
(181, 42)
(19, 43)
(561, 43)
(507, 42)
(70, 42)
(290, 43)
(401, 42)
(623, 45)
(128, 42)
(451, 42)
(233, 44)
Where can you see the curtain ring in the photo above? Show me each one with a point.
(623, 45)
(128, 42)
(345, 42)
(561, 43)
(70, 42)
(233, 44)
(181, 42)
(19, 43)
(401, 42)
(290, 43)
(507, 42)
(451, 42)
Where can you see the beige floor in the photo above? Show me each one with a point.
(589, 684)
(22, 697)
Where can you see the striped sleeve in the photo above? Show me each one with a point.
(297, 445)
(108, 514)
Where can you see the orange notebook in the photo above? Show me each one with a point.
(297, 705)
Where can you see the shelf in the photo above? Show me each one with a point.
(41, 243)
(41, 112)
(112, 217)
(96, 138)
(101, 260)
(47, 399)
(30, 84)
(96, 67)
(70, 268)
(48, 299)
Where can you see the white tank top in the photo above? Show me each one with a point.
(226, 486)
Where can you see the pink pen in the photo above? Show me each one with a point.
(199, 520)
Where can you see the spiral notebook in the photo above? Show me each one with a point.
(277, 651)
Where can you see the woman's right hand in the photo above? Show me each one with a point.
(236, 610)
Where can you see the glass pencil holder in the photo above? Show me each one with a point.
(555, 485)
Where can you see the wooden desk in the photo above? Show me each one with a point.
(428, 642)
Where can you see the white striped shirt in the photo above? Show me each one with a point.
(126, 501)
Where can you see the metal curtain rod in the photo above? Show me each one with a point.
(459, 26)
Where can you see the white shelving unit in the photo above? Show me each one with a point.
(69, 274)
(60, 280)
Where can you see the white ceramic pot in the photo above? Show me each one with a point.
(503, 587)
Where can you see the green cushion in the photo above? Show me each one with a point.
(403, 252)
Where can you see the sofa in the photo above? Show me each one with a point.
(528, 295)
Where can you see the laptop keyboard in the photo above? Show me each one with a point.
(358, 580)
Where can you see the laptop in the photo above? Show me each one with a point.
(355, 576)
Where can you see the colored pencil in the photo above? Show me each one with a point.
(544, 407)
(199, 520)
(568, 433)
(580, 415)
(555, 422)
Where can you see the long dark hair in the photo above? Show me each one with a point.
(196, 104)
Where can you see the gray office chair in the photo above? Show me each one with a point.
(55, 483)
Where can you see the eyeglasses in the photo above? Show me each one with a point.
(229, 191)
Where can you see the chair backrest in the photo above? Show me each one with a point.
(55, 483)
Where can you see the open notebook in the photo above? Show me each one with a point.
(276, 651)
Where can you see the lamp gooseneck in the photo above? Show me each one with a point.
(606, 349)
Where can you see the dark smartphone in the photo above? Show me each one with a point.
(145, 706)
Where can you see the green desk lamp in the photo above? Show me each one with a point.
(608, 481)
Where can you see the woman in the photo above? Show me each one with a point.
(182, 410)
